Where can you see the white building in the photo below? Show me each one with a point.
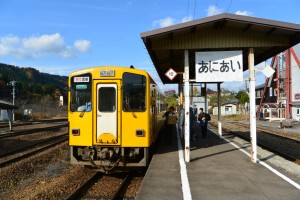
(227, 109)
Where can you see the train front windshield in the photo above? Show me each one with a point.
(81, 93)
(134, 92)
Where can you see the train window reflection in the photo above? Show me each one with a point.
(81, 93)
(107, 99)
(134, 92)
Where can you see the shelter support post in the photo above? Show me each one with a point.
(187, 106)
(10, 118)
(180, 89)
(205, 98)
(252, 105)
(219, 111)
(180, 101)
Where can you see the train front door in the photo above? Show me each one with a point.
(107, 118)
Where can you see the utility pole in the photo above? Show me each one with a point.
(13, 84)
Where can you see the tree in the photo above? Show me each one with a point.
(242, 97)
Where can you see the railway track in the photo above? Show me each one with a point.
(32, 145)
(271, 140)
(18, 154)
(86, 190)
(6, 124)
(29, 131)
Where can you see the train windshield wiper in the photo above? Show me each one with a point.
(82, 112)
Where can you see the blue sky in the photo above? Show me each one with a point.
(59, 37)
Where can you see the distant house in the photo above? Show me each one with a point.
(282, 89)
(4, 108)
(229, 108)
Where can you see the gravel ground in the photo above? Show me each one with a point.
(47, 175)
(134, 187)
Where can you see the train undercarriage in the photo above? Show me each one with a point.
(108, 159)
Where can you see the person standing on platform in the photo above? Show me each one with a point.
(195, 112)
(181, 123)
(170, 125)
(203, 119)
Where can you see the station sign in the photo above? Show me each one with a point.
(219, 66)
(171, 74)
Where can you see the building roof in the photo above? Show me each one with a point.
(7, 105)
(222, 32)
(261, 86)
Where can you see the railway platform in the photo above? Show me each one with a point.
(218, 169)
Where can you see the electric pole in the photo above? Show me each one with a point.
(13, 84)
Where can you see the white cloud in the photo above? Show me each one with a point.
(44, 43)
(82, 46)
(213, 10)
(38, 46)
(186, 19)
(168, 21)
(246, 13)
(7, 44)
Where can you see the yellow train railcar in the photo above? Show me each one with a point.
(113, 119)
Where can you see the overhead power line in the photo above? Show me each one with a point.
(229, 6)
(187, 10)
(215, 7)
(195, 9)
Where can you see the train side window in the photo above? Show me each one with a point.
(81, 93)
(134, 92)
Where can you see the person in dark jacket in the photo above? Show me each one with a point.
(203, 118)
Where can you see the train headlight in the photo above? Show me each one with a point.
(140, 133)
(76, 131)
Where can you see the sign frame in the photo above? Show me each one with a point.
(219, 66)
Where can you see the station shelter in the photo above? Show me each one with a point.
(9, 108)
(198, 49)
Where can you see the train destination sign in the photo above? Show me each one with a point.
(81, 79)
(81, 87)
(219, 66)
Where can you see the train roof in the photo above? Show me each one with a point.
(122, 68)
(91, 69)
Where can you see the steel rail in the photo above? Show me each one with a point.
(26, 155)
(121, 187)
(36, 130)
(6, 124)
(76, 194)
(43, 141)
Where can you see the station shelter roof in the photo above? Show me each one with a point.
(7, 105)
(224, 32)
